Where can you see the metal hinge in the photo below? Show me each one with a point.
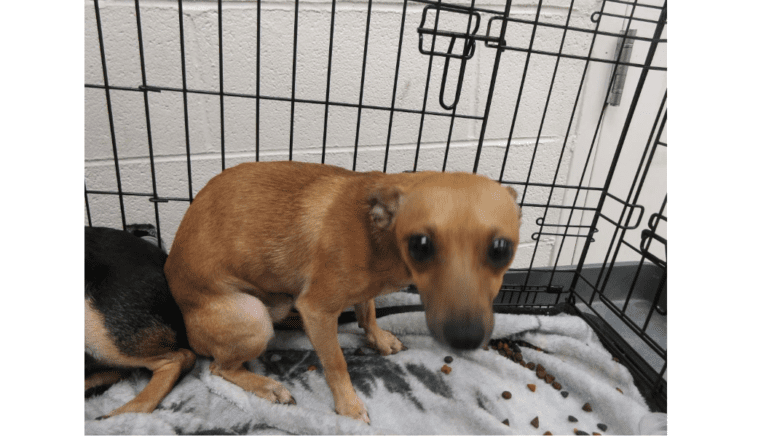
(616, 92)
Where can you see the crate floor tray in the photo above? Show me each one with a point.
(406, 393)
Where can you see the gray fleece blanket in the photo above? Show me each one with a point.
(405, 393)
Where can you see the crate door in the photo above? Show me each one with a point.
(622, 138)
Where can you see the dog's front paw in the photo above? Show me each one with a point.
(384, 342)
(353, 408)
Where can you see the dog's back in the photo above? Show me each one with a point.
(126, 286)
(267, 215)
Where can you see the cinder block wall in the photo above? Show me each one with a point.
(162, 50)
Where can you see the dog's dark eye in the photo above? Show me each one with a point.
(500, 252)
(420, 247)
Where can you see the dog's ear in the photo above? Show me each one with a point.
(512, 192)
(384, 203)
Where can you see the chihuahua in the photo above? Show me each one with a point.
(261, 238)
(131, 318)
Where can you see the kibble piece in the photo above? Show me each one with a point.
(518, 356)
(535, 422)
(578, 432)
(572, 418)
(532, 387)
(595, 433)
(587, 407)
(445, 369)
(506, 422)
(549, 378)
(507, 394)
(311, 368)
(530, 365)
(564, 394)
(541, 373)
(556, 385)
(449, 359)
(548, 433)
(539, 367)
(523, 363)
(601, 426)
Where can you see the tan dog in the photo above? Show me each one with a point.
(262, 237)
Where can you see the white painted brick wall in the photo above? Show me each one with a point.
(163, 68)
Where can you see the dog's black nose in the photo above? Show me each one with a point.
(464, 334)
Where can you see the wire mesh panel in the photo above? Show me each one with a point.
(563, 100)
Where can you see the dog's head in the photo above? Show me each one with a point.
(457, 234)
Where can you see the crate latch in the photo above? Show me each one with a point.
(466, 53)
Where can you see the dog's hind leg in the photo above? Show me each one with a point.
(381, 340)
(167, 369)
(105, 377)
(234, 329)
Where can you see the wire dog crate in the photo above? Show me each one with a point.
(563, 100)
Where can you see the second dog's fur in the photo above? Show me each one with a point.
(262, 237)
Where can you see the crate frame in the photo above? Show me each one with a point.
(569, 289)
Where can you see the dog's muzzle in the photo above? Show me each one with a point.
(464, 334)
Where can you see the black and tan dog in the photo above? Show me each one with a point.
(262, 237)
(131, 318)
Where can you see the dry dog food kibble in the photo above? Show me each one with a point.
(549, 378)
(556, 385)
(564, 394)
(595, 433)
(449, 359)
(445, 369)
(535, 422)
(601, 426)
(530, 365)
(506, 422)
(506, 394)
(532, 387)
(578, 432)
(548, 433)
(587, 407)
(540, 372)
(572, 418)
(311, 368)
(539, 367)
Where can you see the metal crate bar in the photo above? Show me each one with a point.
(287, 99)
(328, 79)
(148, 120)
(186, 103)
(110, 112)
